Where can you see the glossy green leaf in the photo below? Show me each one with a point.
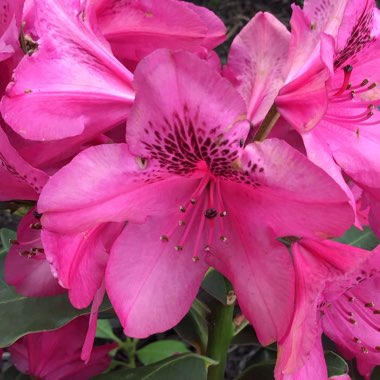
(215, 285)
(160, 350)
(335, 364)
(6, 235)
(26, 315)
(183, 367)
(259, 371)
(104, 330)
(247, 336)
(365, 239)
(193, 327)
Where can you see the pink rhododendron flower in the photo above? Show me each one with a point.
(340, 137)
(55, 355)
(193, 197)
(26, 267)
(135, 28)
(89, 90)
(337, 292)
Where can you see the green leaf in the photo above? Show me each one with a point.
(247, 336)
(193, 327)
(183, 366)
(365, 239)
(160, 350)
(335, 364)
(376, 374)
(215, 285)
(104, 330)
(6, 235)
(26, 315)
(262, 371)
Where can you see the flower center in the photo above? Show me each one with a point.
(203, 210)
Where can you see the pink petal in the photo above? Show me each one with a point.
(31, 276)
(150, 284)
(353, 320)
(289, 181)
(135, 29)
(317, 264)
(249, 258)
(171, 88)
(79, 260)
(257, 62)
(314, 368)
(55, 354)
(88, 90)
(22, 180)
(110, 185)
(319, 152)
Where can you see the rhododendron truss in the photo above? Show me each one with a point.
(193, 196)
(156, 190)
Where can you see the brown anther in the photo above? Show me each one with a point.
(193, 201)
(369, 304)
(195, 259)
(181, 222)
(377, 348)
(40, 250)
(373, 85)
(207, 248)
(365, 81)
(35, 226)
(37, 215)
(15, 242)
(24, 253)
(376, 311)
(352, 93)
(182, 208)
(353, 321)
(351, 299)
(349, 86)
(364, 350)
(223, 239)
(164, 238)
(223, 214)
(211, 213)
(178, 248)
(357, 340)
(348, 68)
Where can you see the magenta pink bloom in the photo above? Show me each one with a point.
(340, 135)
(55, 355)
(89, 90)
(26, 267)
(136, 28)
(337, 292)
(193, 197)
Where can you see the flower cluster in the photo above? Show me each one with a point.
(147, 162)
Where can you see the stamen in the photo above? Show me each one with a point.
(37, 215)
(178, 248)
(181, 222)
(182, 208)
(207, 248)
(164, 238)
(346, 80)
(364, 350)
(15, 242)
(223, 214)
(223, 239)
(195, 259)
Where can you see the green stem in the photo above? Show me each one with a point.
(220, 334)
(267, 125)
(130, 347)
